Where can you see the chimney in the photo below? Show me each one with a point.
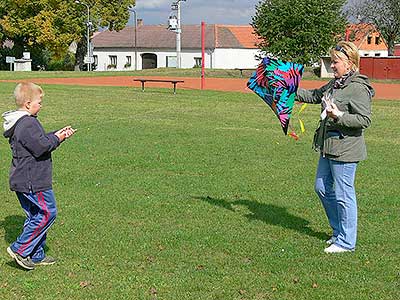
(139, 22)
(347, 37)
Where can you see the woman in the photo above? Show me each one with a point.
(346, 112)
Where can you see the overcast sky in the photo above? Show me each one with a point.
(194, 11)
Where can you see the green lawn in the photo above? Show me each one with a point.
(171, 72)
(199, 195)
(151, 72)
(167, 72)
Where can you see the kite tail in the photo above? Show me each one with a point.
(292, 132)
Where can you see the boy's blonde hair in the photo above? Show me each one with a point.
(347, 51)
(26, 91)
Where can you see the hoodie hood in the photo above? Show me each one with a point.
(10, 119)
(362, 79)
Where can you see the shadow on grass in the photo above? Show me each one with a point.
(12, 226)
(161, 91)
(270, 214)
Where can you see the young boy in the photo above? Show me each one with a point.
(31, 174)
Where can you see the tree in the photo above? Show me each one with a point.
(299, 30)
(54, 24)
(384, 14)
(46, 24)
(112, 14)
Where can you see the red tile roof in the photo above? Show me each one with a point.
(158, 36)
(359, 33)
(244, 34)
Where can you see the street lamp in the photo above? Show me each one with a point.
(88, 25)
(130, 8)
(177, 6)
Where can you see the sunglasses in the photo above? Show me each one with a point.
(340, 49)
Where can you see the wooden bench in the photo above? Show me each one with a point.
(144, 80)
(244, 69)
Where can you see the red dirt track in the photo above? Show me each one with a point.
(385, 91)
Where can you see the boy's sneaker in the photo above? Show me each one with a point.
(331, 241)
(26, 262)
(46, 261)
(336, 249)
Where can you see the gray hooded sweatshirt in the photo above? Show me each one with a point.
(31, 147)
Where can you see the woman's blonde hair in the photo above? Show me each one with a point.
(347, 51)
(26, 91)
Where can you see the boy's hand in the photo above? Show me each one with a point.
(69, 131)
(64, 133)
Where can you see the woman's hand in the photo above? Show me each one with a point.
(333, 111)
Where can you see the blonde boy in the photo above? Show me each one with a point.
(31, 173)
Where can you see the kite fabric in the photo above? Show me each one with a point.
(276, 82)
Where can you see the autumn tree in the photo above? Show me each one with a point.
(298, 30)
(52, 25)
(38, 26)
(384, 14)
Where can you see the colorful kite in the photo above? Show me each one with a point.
(276, 82)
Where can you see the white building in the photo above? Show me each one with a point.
(226, 47)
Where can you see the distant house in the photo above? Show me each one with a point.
(368, 39)
(396, 50)
(226, 47)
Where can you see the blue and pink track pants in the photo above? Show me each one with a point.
(41, 212)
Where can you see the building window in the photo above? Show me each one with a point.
(95, 59)
(171, 62)
(128, 63)
(197, 62)
(377, 54)
(366, 54)
(377, 40)
(113, 62)
(369, 39)
(113, 59)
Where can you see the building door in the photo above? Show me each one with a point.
(149, 61)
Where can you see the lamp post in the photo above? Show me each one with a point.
(135, 28)
(88, 25)
(177, 6)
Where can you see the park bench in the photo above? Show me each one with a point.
(144, 80)
(243, 69)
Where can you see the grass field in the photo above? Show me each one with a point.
(199, 196)
(150, 72)
(170, 72)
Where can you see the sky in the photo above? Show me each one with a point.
(235, 12)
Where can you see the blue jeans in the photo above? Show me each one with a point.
(334, 184)
(41, 211)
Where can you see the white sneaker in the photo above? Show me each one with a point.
(331, 241)
(336, 249)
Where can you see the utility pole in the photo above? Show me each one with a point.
(178, 37)
(177, 7)
(203, 56)
(88, 24)
(131, 9)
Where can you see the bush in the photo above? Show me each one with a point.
(67, 63)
